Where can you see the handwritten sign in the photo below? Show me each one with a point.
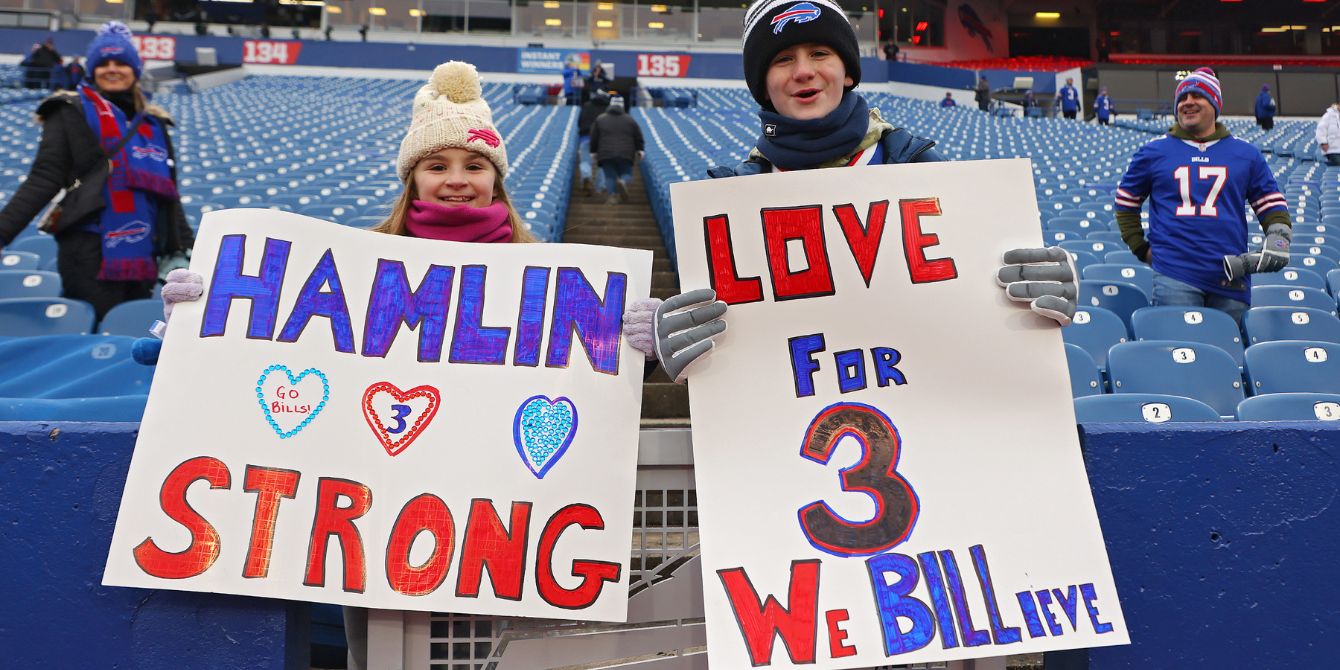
(885, 449)
(365, 419)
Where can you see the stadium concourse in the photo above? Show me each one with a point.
(314, 153)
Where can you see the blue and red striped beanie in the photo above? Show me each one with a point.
(1204, 82)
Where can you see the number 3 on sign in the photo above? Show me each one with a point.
(896, 504)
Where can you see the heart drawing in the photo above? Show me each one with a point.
(397, 417)
(291, 402)
(543, 430)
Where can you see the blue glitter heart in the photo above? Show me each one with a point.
(542, 431)
(293, 381)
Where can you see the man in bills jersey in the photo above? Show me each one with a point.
(1198, 179)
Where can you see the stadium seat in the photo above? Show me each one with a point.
(71, 366)
(1082, 259)
(132, 318)
(42, 245)
(1292, 296)
(1140, 275)
(1095, 330)
(1189, 324)
(1293, 366)
(29, 284)
(19, 260)
(1289, 277)
(1084, 376)
(124, 408)
(1333, 282)
(1290, 407)
(1120, 297)
(1188, 369)
(1145, 407)
(22, 317)
(1122, 257)
(1268, 324)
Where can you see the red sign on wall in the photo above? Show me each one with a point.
(156, 47)
(270, 52)
(663, 65)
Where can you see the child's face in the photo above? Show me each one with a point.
(806, 81)
(456, 178)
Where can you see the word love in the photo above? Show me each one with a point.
(575, 309)
(485, 542)
(805, 225)
(917, 599)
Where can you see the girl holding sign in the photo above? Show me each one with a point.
(801, 63)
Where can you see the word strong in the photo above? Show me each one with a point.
(805, 225)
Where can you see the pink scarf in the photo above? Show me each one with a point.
(459, 224)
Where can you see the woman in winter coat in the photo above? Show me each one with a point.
(109, 253)
(803, 74)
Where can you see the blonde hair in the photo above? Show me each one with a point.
(394, 223)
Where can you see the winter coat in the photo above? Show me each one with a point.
(1265, 106)
(1328, 130)
(615, 135)
(899, 146)
(590, 112)
(69, 149)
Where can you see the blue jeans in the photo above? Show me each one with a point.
(616, 170)
(584, 162)
(1169, 291)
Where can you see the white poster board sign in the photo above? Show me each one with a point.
(364, 419)
(885, 450)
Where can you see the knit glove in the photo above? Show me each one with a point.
(637, 326)
(683, 328)
(1044, 278)
(1274, 255)
(181, 285)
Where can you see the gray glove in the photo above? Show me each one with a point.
(1044, 278)
(683, 330)
(1272, 257)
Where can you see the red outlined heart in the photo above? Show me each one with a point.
(402, 422)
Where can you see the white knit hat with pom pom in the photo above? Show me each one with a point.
(450, 113)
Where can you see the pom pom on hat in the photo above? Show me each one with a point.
(1204, 82)
(113, 42)
(450, 113)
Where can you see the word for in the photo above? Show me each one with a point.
(806, 225)
(485, 543)
(908, 619)
(574, 309)
(849, 365)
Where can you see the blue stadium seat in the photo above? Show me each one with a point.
(1292, 296)
(1290, 407)
(123, 408)
(1294, 366)
(1098, 248)
(1095, 330)
(1082, 259)
(19, 260)
(1289, 277)
(71, 366)
(1268, 324)
(132, 318)
(21, 317)
(29, 284)
(1188, 369)
(1333, 282)
(1122, 257)
(1189, 324)
(1145, 407)
(1141, 275)
(42, 245)
(1120, 297)
(1085, 378)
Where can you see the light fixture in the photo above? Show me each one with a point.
(415, 11)
(605, 6)
(1051, 16)
(655, 25)
(553, 22)
(332, 9)
(550, 4)
(377, 11)
(116, 2)
(660, 9)
(604, 23)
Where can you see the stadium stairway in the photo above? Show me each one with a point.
(631, 225)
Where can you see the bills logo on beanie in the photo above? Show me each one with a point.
(773, 25)
(1204, 82)
(450, 113)
(113, 42)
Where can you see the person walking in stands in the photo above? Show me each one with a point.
(616, 142)
(1328, 134)
(803, 75)
(1198, 179)
(593, 180)
(1069, 99)
(1265, 108)
(110, 242)
(1102, 106)
(948, 100)
(983, 94)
